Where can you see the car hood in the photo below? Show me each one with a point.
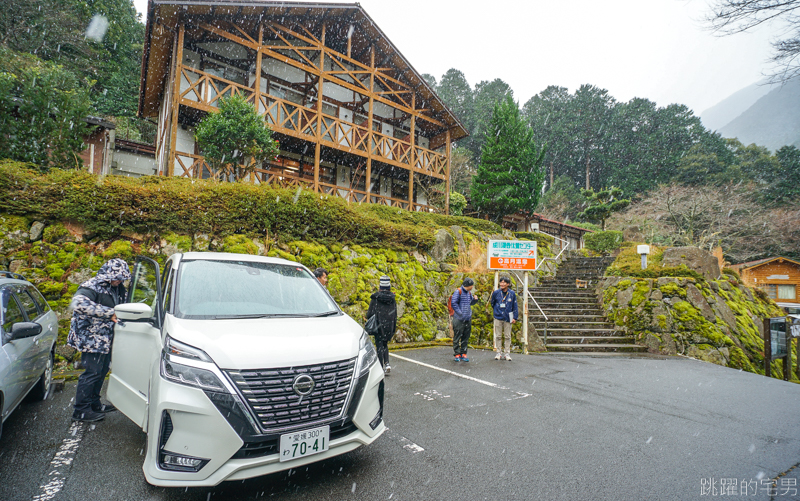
(269, 342)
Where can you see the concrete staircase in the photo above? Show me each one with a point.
(575, 319)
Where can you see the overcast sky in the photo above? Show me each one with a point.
(654, 49)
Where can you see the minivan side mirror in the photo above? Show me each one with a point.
(133, 312)
(21, 330)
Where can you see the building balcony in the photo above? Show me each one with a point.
(202, 90)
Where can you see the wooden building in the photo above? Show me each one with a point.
(566, 235)
(779, 277)
(106, 153)
(353, 118)
(99, 143)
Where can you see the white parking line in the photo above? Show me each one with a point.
(481, 381)
(61, 462)
(406, 443)
(470, 378)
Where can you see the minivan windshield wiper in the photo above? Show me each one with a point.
(326, 314)
(272, 315)
(237, 317)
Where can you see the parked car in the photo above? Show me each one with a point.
(238, 366)
(28, 332)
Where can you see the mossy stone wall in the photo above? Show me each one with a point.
(719, 321)
(66, 256)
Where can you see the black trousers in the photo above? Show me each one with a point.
(382, 347)
(87, 395)
(462, 329)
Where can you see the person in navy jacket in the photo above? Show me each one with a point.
(504, 304)
(462, 301)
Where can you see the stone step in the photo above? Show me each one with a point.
(578, 332)
(565, 299)
(571, 326)
(590, 340)
(563, 293)
(571, 302)
(566, 318)
(566, 295)
(551, 311)
(583, 348)
(569, 284)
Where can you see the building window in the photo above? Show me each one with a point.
(771, 290)
(786, 292)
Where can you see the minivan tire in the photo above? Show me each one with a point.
(42, 388)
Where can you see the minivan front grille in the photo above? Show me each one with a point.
(270, 394)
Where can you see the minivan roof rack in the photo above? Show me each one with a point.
(11, 274)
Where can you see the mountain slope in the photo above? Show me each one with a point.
(724, 112)
(773, 121)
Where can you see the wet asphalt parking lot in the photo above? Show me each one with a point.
(540, 427)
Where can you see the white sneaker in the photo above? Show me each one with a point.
(387, 369)
(508, 356)
(499, 356)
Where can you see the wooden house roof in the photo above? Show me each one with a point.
(164, 16)
(761, 262)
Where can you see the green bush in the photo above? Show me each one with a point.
(457, 203)
(731, 272)
(603, 242)
(109, 206)
(541, 239)
(42, 111)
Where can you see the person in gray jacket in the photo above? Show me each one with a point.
(92, 332)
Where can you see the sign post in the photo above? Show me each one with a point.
(514, 255)
(777, 344)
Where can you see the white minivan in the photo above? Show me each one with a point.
(237, 366)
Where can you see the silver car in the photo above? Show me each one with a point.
(28, 331)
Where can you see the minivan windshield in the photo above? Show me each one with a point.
(247, 289)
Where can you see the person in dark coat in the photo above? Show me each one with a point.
(461, 301)
(383, 304)
(92, 332)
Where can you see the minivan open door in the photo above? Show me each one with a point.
(137, 343)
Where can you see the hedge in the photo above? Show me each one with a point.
(109, 206)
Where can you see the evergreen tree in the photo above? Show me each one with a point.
(42, 112)
(602, 203)
(510, 174)
(235, 136)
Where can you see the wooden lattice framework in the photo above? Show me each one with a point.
(309, 39)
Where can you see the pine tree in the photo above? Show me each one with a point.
(510, 174)
(602, 203)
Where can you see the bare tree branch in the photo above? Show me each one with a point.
(730, 17)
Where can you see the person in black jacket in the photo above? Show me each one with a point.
(92, 332)
(383, 304)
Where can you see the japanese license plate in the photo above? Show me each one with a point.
(304, 443)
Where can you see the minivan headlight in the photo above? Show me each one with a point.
(182, 364)
(179, 349)
(367, 357)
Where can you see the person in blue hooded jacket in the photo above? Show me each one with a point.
(92, 332)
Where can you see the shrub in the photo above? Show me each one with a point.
(457, 203)
(109, 206)
(603, 242)
(731, 272)
(541, 239)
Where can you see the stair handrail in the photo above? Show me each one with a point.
(530, 296)
(555, 259)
